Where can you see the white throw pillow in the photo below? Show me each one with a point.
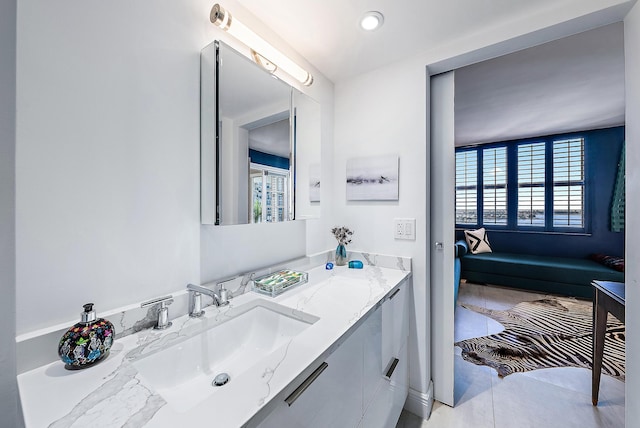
(478, 241)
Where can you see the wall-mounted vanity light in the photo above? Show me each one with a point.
(263, 53)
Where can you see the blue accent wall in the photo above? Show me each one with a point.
(268, 159)
(602, 154)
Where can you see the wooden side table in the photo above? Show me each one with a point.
(608, 297)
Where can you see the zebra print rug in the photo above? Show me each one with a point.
(552, 332)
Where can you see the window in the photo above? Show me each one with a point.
(568, 183)
(494, 186)
(467, 187)
(531, 181)
(536, 185)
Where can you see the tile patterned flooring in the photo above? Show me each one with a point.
(548, 398)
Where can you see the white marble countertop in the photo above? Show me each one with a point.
(113, 394)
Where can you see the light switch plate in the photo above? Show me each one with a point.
(404, 228)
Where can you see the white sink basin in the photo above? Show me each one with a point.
(182, 373)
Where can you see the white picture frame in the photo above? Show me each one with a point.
(373, 178)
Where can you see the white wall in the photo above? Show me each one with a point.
(108, 158)
(8, 387)
(632, 72)
(107, 154)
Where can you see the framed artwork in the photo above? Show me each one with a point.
(373, 178)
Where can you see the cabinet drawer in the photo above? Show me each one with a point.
(334, 398)
(395, 323)
(387, 403)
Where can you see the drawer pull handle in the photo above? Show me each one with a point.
(394, 294)
(391, 368)
(304, 385)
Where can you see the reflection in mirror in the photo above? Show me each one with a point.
(248, 162)
(269, 149)
(306, 119)
(254, 112)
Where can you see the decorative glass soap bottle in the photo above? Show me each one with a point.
(88, 342)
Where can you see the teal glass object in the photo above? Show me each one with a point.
(355, 264)
(341, 255)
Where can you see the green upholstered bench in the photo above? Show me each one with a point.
(557, 275)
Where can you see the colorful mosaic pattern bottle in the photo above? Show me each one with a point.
(87, 342)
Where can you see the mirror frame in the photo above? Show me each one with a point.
(208, 134)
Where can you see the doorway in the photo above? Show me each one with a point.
(485, 132)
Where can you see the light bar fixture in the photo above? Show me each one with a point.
(263, 53)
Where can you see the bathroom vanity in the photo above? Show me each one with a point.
(332, 352)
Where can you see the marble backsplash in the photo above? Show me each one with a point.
(38, 348)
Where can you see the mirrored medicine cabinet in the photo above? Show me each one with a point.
(260, 143)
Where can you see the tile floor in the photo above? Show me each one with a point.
(548, 398)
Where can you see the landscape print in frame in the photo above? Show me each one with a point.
(373, 178)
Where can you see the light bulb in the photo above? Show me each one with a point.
(371, 21)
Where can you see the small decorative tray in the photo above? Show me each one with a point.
(278, 282)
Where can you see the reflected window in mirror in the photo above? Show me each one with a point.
(269, 154)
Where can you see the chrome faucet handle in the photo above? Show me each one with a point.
(195, 304)
(224, 296)
(163, 311)
(223, 293)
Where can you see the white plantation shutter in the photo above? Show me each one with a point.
(467, 187)
(494, 185)
(531, 181)
(568, 183)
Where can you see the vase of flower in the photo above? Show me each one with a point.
(341, 255)
(343, 236)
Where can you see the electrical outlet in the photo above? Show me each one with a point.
(404, 228)
(399, 229)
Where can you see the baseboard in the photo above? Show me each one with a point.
(420, 403)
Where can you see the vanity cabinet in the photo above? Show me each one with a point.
(366, 379)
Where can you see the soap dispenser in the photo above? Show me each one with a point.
(86, 343)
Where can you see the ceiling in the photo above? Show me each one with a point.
(569, 84)
(575, 83)
(273, 139)
(327, 34)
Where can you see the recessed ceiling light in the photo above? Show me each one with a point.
(371, 21)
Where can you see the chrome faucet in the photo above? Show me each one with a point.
(195, 299)
(163, 311)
